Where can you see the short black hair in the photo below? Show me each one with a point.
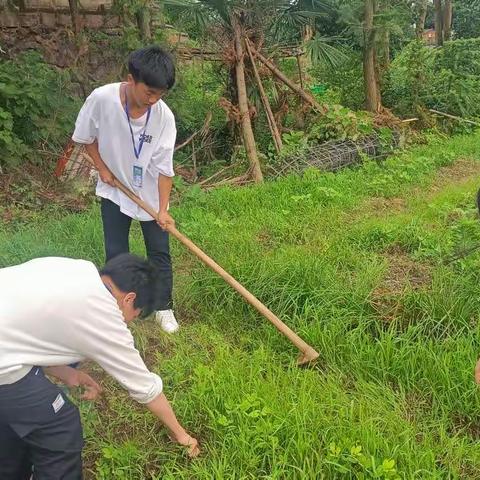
(130, 273)
(152, 66)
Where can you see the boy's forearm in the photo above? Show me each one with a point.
(162, 409)
(62, 373)
(92, 150)
(164, 188)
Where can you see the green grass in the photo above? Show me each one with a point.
(360, 265)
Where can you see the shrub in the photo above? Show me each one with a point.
(196, 93)
(346, 80)
(36, 108)
(447, 79)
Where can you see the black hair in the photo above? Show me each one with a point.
(130, 273)
(152, 66)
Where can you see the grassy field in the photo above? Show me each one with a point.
(375, 267)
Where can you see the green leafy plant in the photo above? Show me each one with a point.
(118, 461)
(354, 462)
(341, 123)
(37, 109)
(446, 79)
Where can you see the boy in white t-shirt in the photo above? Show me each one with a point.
(129, 132)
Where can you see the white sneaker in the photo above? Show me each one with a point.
(166, 319)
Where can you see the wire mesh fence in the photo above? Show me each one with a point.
(335, 155)
(329, 157)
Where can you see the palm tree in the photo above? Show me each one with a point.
(263, 22)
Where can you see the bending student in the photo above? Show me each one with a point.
(55, 312)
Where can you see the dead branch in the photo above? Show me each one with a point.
(454, 117)
(203, 131)
(218, 173)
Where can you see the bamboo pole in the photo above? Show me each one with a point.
(292, 85)
(277, 139)
(300, 74)
(246, 123)
(454, 117)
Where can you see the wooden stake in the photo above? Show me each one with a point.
(300, 75)
(247, 130)
(293, 86)
(454, 117)
(277, 139)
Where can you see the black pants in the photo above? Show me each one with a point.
(40, 429)
(116, 228)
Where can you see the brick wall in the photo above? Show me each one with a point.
(55, 13)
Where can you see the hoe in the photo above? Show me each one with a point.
(307, 353)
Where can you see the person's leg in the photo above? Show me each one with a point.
(14, 459)
(52, 465)
(158, 252)
(55, 439)
(116, 228)
(48, 424)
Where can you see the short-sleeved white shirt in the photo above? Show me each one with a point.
(103, 118)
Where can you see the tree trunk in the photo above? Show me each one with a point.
(447, 20)
(74, 15)
(143, 22)
(300, 74)
(422, 17)
(383, 55)
(277, 139)
(247, 131)
(373, 100)
(304, 60)
(282, 77)
(438, 22)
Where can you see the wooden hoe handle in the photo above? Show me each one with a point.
(308, 354)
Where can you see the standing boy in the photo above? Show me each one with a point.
(129, 132)
(54, 312)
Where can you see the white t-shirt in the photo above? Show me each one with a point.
(103, 117)
(57, 311)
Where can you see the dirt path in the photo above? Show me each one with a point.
(463, 171)
(401, 271)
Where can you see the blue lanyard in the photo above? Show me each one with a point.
(142, 135)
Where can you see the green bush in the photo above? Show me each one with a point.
(196, 93)
(36, 108)
(409, 79)
(346, 80)
(341, 123)
(446, 79)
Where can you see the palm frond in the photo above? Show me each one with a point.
(291, 16)
(321, 51)
(201, 12)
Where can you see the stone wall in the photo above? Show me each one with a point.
(86, 5)
(56, 13)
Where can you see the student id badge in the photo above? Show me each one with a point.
(137, 176)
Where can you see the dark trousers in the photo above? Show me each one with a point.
(116, 229)
(39, 431)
